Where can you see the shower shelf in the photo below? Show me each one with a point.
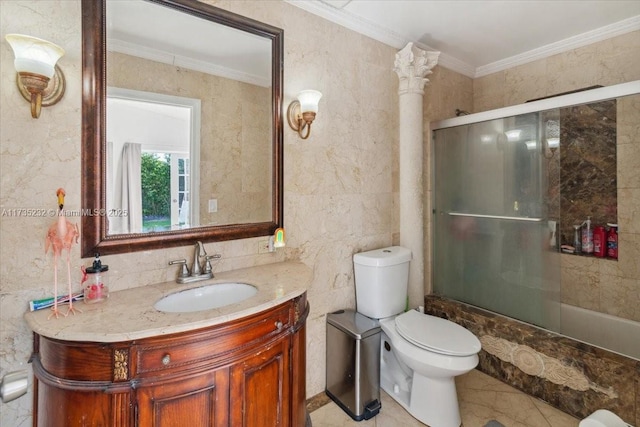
(510, 218)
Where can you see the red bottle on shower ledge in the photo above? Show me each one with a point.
(599, 241)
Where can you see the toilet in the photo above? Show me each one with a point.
(419, 354)
(603, 418)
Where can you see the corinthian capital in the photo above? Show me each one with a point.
(412, 65)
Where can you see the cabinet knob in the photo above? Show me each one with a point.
(278, 325)
(166, 359)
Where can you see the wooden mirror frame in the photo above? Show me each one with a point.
(94, 236)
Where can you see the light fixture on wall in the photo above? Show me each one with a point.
(39, 79)
(302, 112)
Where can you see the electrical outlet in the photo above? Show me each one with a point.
(263, 247)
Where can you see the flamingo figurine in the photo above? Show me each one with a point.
(61, 236)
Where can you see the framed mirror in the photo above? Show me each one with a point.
(182, 125)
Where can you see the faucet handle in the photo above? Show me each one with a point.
(184, 271)
(207, 262)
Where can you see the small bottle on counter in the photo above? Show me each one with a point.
(95, 283)
(599, 241)
(612, 241)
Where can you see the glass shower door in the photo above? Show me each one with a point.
(491, 232)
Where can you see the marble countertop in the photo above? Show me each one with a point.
(129, 314)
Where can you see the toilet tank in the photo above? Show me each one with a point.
(382, 278)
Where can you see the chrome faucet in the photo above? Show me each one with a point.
(198, 271)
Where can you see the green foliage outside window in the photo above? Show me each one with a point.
(156, 185)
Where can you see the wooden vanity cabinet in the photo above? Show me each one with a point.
(248, 372)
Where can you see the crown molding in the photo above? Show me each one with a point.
(117, 45)
(376, 32)
(346, 19)
(352, 21)
(452, 63)
(574, 42)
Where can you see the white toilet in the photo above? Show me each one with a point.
(420, 354)
(603, 418)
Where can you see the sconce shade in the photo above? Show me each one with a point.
(302, 112)
(35, 62)
(309, 100)
(34, 55)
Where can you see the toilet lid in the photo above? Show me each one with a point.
(436, 334)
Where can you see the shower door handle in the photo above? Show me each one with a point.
(510, 218)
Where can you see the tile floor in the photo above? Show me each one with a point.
(482, 398)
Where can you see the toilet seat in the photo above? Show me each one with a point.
(437, 335)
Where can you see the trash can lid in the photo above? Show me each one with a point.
(353, 323)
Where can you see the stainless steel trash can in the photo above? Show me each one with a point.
(353, 363)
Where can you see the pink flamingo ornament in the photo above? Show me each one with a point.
(61, 236)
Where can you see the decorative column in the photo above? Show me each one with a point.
(412, 65)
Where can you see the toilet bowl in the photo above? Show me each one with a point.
(420, 357)
(419, 354)
(603, 418)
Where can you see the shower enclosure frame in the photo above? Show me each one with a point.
(577, 98)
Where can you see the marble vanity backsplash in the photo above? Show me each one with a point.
(575, 377)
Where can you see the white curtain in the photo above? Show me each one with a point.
(128, 191)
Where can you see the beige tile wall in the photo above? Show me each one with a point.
(613, 61)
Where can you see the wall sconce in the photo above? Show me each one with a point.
(302, 112)
(39, 79)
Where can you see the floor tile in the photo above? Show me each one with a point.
(482, 398)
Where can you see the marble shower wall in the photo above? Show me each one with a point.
(587, 158)
(596, 284)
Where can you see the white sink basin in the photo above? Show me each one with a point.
(205, 297)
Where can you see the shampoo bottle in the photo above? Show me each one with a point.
(587, 237)
(599, 241)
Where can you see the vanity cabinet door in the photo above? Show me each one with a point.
(200, 400)
(260, 388)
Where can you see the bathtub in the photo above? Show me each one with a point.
(603, 330)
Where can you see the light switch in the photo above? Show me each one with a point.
(213, 205)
